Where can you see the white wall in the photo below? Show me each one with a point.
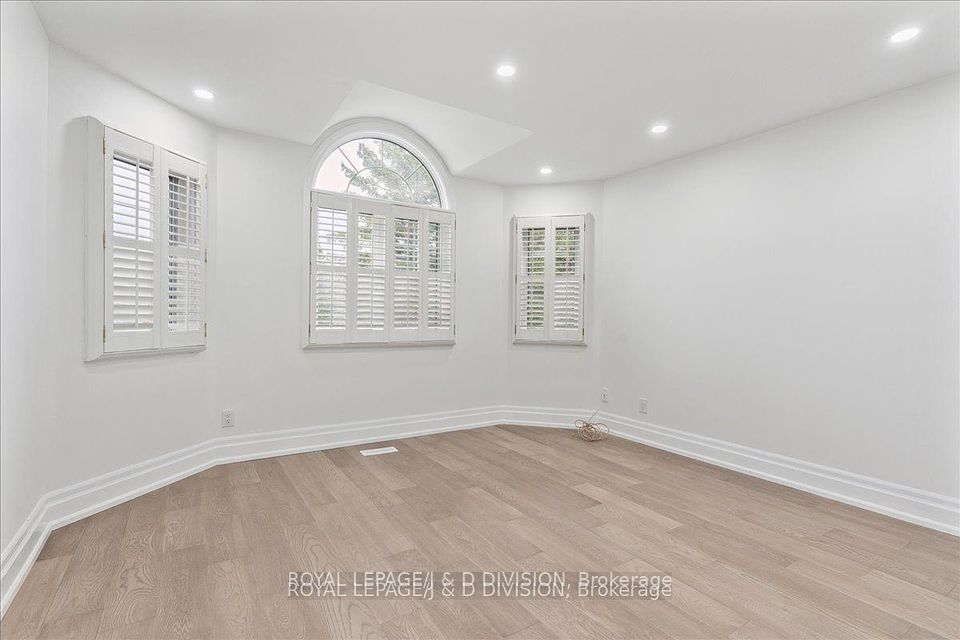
(559, 376)
(263, 373)
(24, 255)
(797, 291)
(106, 415)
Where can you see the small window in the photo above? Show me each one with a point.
(379, 272)
(380, 169)
(146, 254)
(550, 279)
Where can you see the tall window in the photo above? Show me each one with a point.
(378, 169)
(146, 252)
(380, 272)
(550, 279)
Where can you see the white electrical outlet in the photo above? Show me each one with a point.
(642, 406)
(227, 418)
(604, 395)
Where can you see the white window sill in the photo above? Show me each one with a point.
(566, 343)
(147, 353)
(375, 345)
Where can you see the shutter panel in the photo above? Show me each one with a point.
(369, 272)
(328, 269)
(439, 243)
(131, 296)
(531, 278)
(184, 203)
(405, 272)
(550, 278)
(566, 311)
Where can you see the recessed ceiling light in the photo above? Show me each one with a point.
(545, 171)
(659, 128)
(203, 94)
(506, 70)
(904, 35)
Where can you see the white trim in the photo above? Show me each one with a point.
(925, 508)
(69, 504)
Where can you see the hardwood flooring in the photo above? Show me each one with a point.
(209, 556)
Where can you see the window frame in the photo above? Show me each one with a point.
(350, 336)
(548, 334)
(101, 341)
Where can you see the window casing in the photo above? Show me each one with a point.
(550, 256)
(380, 272)
(146, 248)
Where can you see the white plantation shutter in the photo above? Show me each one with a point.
(531, 323)
(329, 268)
(566, 321)
(439, 275)
(380, 272)
(550, 279)
(369, 278)
(146, 253)
(405, 275)
(185, 258)
(130, 244)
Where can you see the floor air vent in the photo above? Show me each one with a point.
(378, 452)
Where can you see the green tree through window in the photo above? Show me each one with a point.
(378, 169)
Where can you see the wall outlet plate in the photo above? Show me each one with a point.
(227, 419)
(604, 395)
(642, 406)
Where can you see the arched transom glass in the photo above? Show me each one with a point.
(379, 169)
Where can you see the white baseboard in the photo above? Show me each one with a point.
(925, 508)
(66, 505)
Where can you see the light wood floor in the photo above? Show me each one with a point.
(208, 556)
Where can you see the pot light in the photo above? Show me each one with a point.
(506, 70)
(904, 35)
(545, 171)
(203, 94)
(659, 128)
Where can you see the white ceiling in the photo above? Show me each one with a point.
(591, 76)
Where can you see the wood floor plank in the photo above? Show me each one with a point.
(92, 567)
(209, 555)
(82, 626)
(26, 613)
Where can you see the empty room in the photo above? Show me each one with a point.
(476, 320)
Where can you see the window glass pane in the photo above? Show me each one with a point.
(378, 169)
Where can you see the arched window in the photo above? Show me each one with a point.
(380, 267)
(381, 169)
